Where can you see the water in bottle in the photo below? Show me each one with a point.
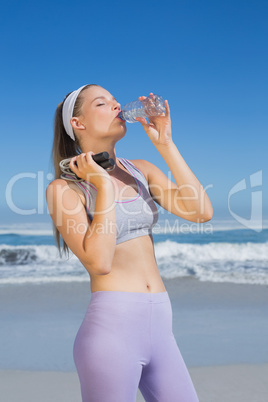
(153, 105)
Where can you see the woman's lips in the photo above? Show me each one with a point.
(117, 117)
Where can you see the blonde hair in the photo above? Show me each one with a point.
(64, 147)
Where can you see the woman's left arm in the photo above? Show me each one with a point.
(187, 198)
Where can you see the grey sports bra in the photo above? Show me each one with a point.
(135, 216)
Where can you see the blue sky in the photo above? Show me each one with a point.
(208, 58)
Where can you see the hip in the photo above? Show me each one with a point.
(128, 312)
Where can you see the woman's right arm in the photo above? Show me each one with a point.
(93, 243)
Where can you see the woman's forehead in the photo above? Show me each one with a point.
(94, 92)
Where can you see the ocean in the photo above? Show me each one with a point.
(215, 251)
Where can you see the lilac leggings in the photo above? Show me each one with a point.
(126, 342)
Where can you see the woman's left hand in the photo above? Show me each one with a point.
(159, 127)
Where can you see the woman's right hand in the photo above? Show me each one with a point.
(87, 169)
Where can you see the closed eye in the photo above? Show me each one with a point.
(101, 104)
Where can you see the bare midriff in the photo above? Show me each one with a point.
(134, 269)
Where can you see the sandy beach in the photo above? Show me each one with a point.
(221, 330)
(247, 383)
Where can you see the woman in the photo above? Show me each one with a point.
(125, 340)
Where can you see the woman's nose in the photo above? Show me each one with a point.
(117, 105)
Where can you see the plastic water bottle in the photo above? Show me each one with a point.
(151, 106)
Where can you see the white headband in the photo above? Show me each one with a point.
(68, 109)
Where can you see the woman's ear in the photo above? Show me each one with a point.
(76, 124)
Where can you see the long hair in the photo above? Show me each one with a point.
(64, 147)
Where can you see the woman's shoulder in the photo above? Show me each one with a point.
(142, 165)
(61, 185)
